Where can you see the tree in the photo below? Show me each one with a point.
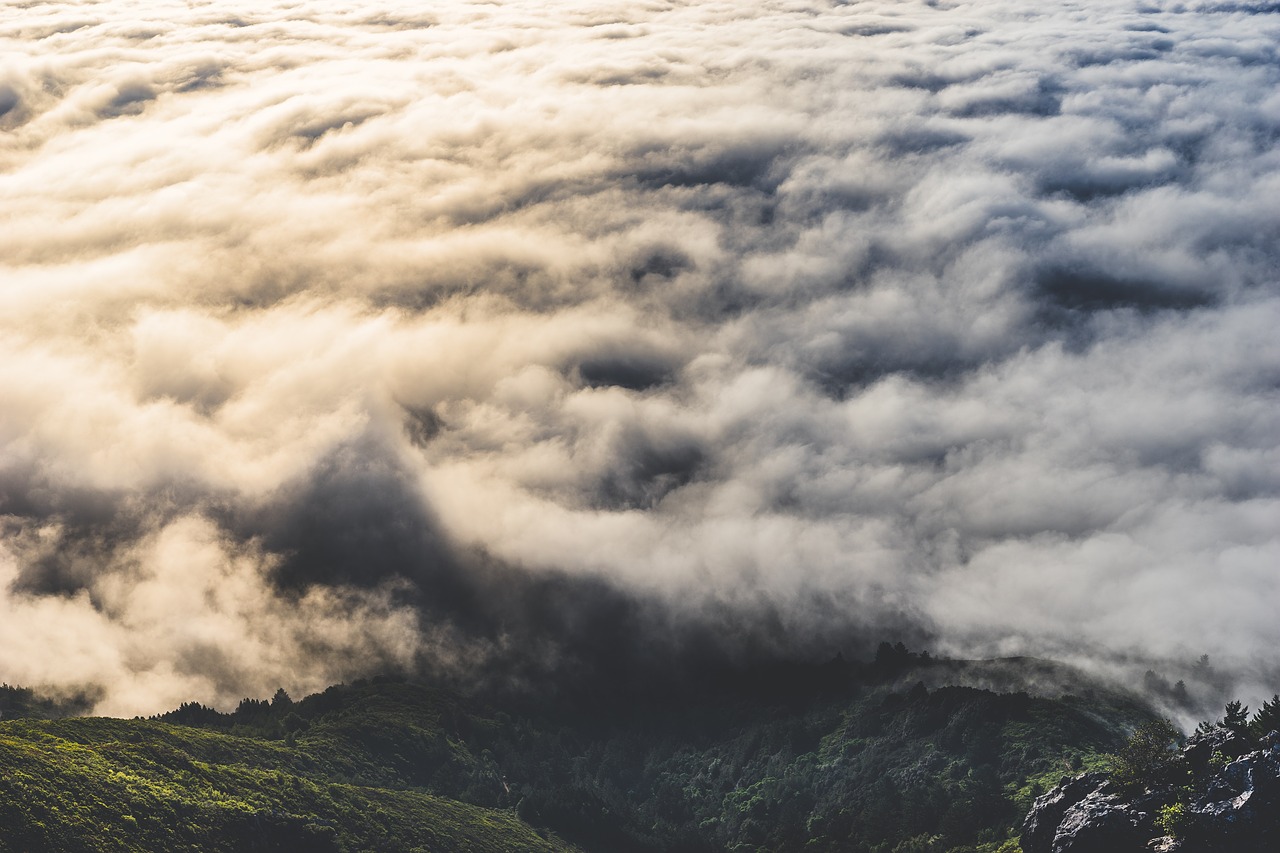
(1150, 758)
(1236, 718)
(1154, 683)
(1267, 718)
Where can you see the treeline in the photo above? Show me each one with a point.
(847, 755)
(1157, 753)
(857, 756)
(1196, 688)
(1236, 719)
(273, 718)
(23, 702)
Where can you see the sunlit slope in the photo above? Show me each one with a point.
(833, 757)
(125, 785)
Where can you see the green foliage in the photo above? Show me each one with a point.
(1149, 758)
(1236, 719)
(1267, 718)
(1024, 795)
(1173, 819)
(22, 702)
(865, 773)
(389, 765)
(132, 785)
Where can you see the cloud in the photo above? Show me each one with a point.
(183, 611)
(508, 340)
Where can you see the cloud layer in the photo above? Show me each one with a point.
(339, 337)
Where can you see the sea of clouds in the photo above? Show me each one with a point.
(341, 337)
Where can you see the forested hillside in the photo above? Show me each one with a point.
(133, 785)
(836, 757)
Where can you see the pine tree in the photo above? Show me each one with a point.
(1237, 718)
(1267, 718)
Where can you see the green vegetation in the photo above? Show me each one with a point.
(1236, 721)
(1150, 758)
(24, 702)
(125, 785)
(1267, 718)
(1174, 819)
(1236, 718)
(882, 770)
(834, 758)
(1157, 761)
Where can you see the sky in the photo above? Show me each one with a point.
(527, 337)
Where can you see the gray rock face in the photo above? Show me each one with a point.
(1235, 808)
(1241, 806)
(1201, 747)
(1100, 822)
(1049, 809)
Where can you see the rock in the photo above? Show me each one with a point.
(1241, 807)
(1041, 824)
(1235, 808)
(1201, 746)
(1102, 823)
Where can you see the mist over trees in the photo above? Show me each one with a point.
(342, 339)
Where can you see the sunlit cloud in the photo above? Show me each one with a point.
(340, 337)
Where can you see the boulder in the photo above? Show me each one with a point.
(1102, 823)
(1201, 746)
(1041, 824)
(1233, 808)
(1241, 806)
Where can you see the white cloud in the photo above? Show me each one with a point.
(960, 316)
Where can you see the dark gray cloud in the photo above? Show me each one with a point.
(509, 339)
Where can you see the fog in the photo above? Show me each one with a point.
(509, 338)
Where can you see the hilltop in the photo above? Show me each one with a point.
(842, 756)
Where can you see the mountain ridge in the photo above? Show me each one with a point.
(837, 756)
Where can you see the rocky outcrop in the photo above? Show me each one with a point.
(1102, 821)
(1088, 813)
(1202, 746)
(1240, 810)
(1235, 807)
(1046, 815)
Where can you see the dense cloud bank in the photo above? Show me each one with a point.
(338, 337)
